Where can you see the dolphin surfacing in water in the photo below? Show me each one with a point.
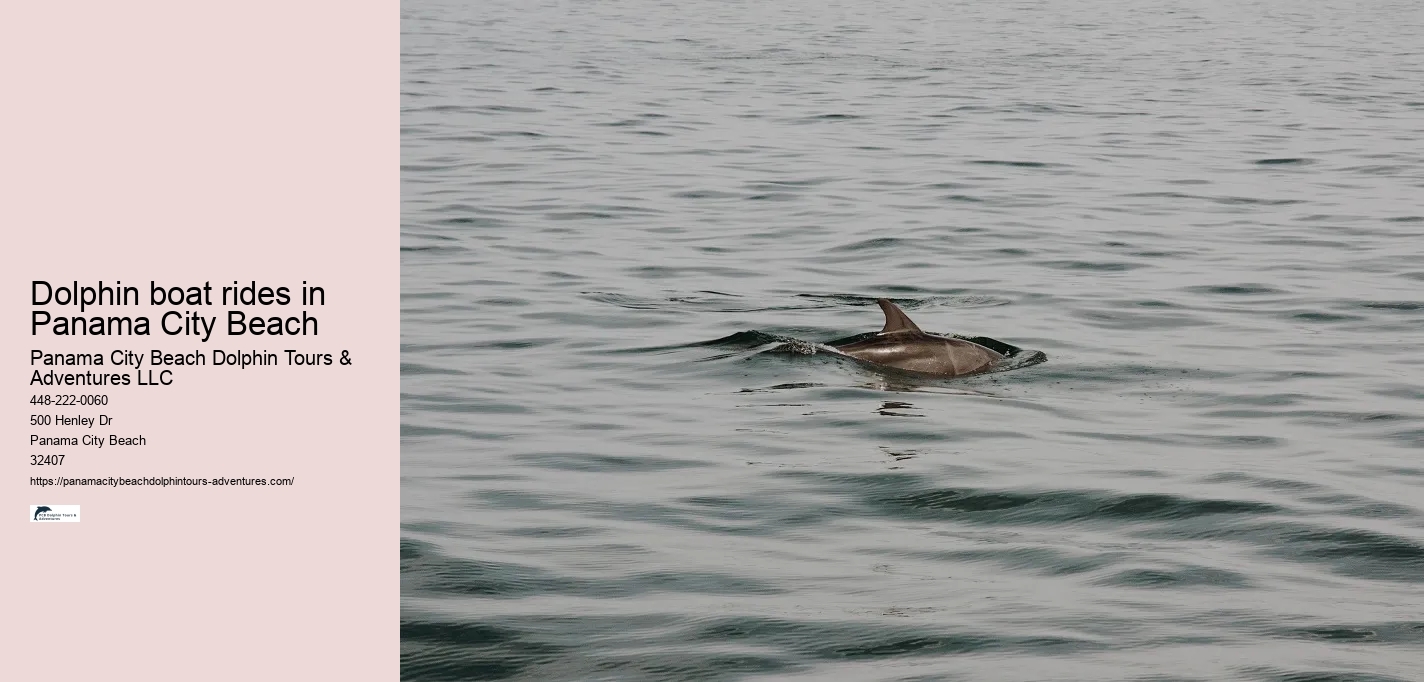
(902, 345)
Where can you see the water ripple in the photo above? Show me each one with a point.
(629, 228)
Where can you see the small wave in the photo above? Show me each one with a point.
(1017, 164)
(875, 243)
(1284, 162)
(1235, 289)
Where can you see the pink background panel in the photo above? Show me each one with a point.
(189, 142)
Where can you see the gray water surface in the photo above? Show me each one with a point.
(1209, 216)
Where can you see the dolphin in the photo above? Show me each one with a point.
(902, 345)
(40, 510)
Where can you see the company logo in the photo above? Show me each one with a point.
(52, 513)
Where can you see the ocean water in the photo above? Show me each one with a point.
(1208, 215)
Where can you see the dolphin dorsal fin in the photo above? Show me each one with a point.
(895, 319)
